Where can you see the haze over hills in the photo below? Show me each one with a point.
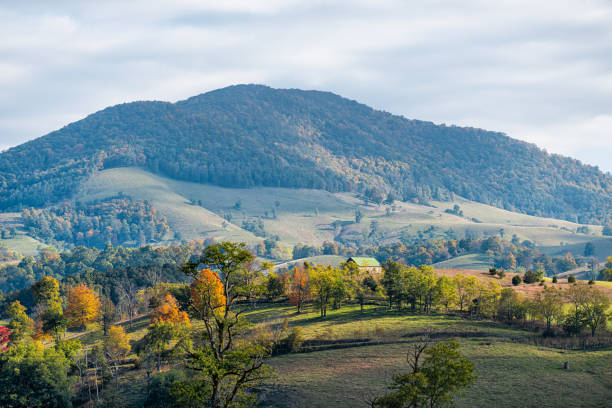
(251, 135)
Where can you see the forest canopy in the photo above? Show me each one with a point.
(250, 135)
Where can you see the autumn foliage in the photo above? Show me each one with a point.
(207, 293)
(168, 311)
(117, 343)
(5, 335)
(83, 306)
(299, 287)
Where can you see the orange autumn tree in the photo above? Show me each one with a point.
(168, 312)
(82, 306)
(207, 293)
(299, 288)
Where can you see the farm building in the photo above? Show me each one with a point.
(367, 264)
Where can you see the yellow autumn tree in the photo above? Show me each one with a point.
(116, 347)
(82, 306)
(207, 293)
(168, 312)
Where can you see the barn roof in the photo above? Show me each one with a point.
(364, 261)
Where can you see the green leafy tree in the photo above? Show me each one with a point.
(32, 376)
(548, 303)
(327, 285)
(47, 295)
(595, 310)
(274, 286)
(447, 294)
(391, 281)
(443, 373)
(511, 306)
(227, 364)
(20, 324)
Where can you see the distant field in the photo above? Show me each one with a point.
(526, 289)
(314, 216)
(201, 211)
(21, 243)
(333, 260)
(25, 245)
(473, 261)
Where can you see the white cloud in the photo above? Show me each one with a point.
(539, 71)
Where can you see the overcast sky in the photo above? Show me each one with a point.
(540, 71)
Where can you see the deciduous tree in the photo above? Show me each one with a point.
(432, 384)
(169, 311)
(227, 364)
(299, 290)
(116, 347)
(82, 306)
(20, 324)
(548, 303)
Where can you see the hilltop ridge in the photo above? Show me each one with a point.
(252, 135)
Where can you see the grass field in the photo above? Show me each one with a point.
(334, 260)
(200, 211)
(314, 216)
(509, 375)
(511, 372)
(478, 262)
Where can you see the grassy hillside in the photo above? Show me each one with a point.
(509, 375)
(201, 211)
(315, 216)
(21, 243)
(510, 370)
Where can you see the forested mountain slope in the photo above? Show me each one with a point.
(252, 135)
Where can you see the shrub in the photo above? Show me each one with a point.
(532, 277)
(501, 273)
(571, 279)
(555, 280)
(295, 339)
(159, 389)
(516, 280)
(492, 271)
(591, 281)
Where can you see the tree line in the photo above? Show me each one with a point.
(574, 310)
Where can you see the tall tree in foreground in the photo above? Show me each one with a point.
(228, 364)
(433, 383)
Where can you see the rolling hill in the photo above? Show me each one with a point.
(250, 136)
(308, 216)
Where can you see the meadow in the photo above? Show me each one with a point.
(314, 216)
(511, 371)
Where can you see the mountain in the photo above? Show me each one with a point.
(252, 135)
